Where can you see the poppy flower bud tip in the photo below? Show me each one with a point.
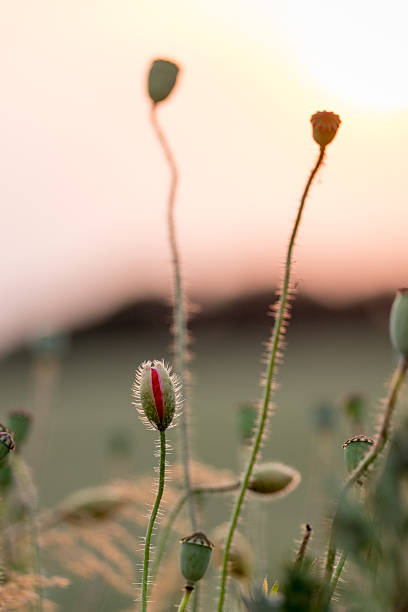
(157, 394)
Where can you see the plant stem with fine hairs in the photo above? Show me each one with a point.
(371, 456)
(153, 515)
(179, 314)
(272, 359)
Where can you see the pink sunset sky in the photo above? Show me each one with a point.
(83, 182)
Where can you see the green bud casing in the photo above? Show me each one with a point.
(355, 450)
(273, 478)
(195, 556)
(161, 80)
(399, 322)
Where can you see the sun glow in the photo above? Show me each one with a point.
(355, 50)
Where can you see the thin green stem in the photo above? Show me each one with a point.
(336, 575)
(179, 315)
(361, 469)
(165, 532)
(150, 526)
(272, 359)
(184, 601)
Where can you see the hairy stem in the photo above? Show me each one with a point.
(150, 526)
(179, 315)
(272, 359)
(371, 456)
(184, 601)
(165, 532)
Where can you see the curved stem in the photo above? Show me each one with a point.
(302, 549)
(371, 456)
(179, 314)
(165, 532)
(272, 358)
(184, 601)
(152, 520)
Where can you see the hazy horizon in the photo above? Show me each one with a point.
(84, 183)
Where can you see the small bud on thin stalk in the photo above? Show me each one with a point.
(156, 391)
(325, 126)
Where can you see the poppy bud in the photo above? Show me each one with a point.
(273, 479)
(325, 125)
(195, 556)
(399, 322)
(161, 80)
(355, 449)
(156, 391)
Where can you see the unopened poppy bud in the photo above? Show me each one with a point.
(399, 322)
(195, 556)
(156, 391)
(162, 78)
(325, 125)
(20, 424)
(6, 444)
(273, 478)
(355, 450)
(96, 503)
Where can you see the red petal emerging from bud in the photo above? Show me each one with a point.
(157, 393)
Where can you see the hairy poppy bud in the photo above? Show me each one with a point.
(325, 125)
(355, 449)
(399, 322)
(6, 444)
(273, 478)
(156, 391)
(195, 556)
(162, 78)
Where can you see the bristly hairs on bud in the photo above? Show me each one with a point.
(174, 381)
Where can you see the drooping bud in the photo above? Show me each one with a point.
(399, 322)
(20, 424)
(96, 503)
(161, 80)
(6, 445)
(325, 125)
(156, 391)
(195, 556)
(274, 479)
(355, 449)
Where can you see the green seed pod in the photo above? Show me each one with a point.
(20, 424)
(195, 556)
(273, 479)
(325, 125)
(161, 80)
(355, 449)
(399, 322)
(157, 396)
(6, 445)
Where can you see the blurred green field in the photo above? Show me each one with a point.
(91, 404)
